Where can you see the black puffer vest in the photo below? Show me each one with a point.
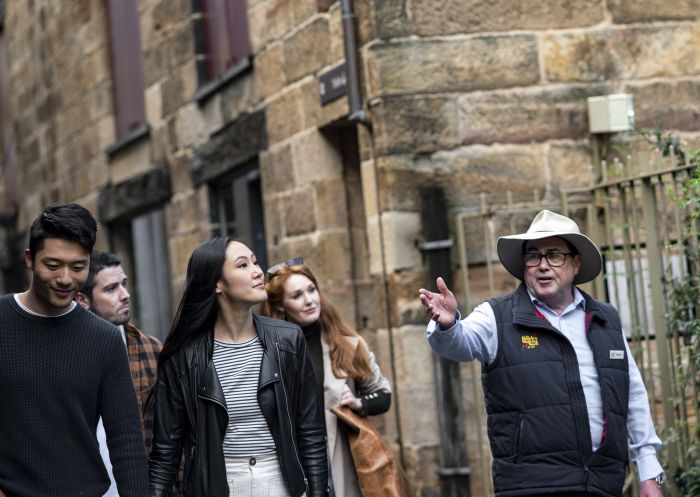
(537, 417)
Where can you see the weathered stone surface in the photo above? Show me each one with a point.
(134, 196)
(280, 111)
(170, 14)
(303, 10)
(639, 52)
(390, 18)
(154, 103)
(401, 230)
(456, 16)
(190, 127)
(324, 5)
(269, 70)
(415, 124)
(269, 20)
(306, 51)
(466, 172)
(520, 116)
(666, 105)
(239, 142)
(276, 169)
(299, 212)
(172, 97)
(238, 97)
(336, 46)
(570, 167)
(630, 11)
(331, 203)
(417, 66)
(314, 158)
(327, 253)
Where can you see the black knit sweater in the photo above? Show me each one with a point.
(58, 375)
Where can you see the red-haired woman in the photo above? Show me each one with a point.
(345, 369)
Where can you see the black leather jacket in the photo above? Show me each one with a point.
(191, 415)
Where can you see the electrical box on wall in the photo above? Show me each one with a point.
(611, 113)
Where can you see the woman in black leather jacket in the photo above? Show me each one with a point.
(236, 392)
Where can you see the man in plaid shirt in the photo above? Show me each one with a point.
(105, 293)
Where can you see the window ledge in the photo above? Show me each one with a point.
(208, 89)
(136, 135)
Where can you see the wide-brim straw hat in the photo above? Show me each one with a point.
(545, 225)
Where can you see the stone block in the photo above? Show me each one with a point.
(172, 97)
(238, 97)
(306, 51)
(180, 174)
(100, 101)
(181, 247)
(633, 11)
(190, 126)
(183, 212)
(154, 103)
(401, 230)
(280, 109)
(466, 172)
(303, 10)
(417, 124)
(452, 65)
(336, 47)
(276, 169)
(274, 227)
(299, 211)
(455, 17)
(331, 203)
(521, 116)
(269, 70)
(314, 158)
(180, 45)
(666, 105)
(570, 166)
(400, 178)
(269, 20)
(130, 161)
(390, 18)
(170, 14)
(631, 53)
(327, 252)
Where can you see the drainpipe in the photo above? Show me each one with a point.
(358, 115)
(357, 112)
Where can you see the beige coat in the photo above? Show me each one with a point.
(344, 478)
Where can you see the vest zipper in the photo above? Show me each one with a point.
(291, 426)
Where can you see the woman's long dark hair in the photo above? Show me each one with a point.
(198, 307)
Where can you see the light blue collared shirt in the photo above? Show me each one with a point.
(476, 338)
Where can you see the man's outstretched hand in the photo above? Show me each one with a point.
(441, 307)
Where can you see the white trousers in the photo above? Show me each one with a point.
(255, 477)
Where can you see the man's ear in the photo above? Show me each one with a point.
(83, 300)
(28, 259)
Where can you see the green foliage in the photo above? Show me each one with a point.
(684, 319)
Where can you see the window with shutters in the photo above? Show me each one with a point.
(223, 47)
(127, 68)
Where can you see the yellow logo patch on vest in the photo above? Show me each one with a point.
(529, 341)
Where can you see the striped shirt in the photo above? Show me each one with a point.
(238, 368)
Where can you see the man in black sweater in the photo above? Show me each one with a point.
(61, 368)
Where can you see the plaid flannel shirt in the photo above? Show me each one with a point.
(143, 362)
(143, 353)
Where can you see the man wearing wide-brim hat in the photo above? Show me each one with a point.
(563, 394)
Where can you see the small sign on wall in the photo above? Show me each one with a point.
(332, 84)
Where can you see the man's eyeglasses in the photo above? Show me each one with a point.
(554, 259)
(294, 261)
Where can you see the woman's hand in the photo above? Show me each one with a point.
(348, 399)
